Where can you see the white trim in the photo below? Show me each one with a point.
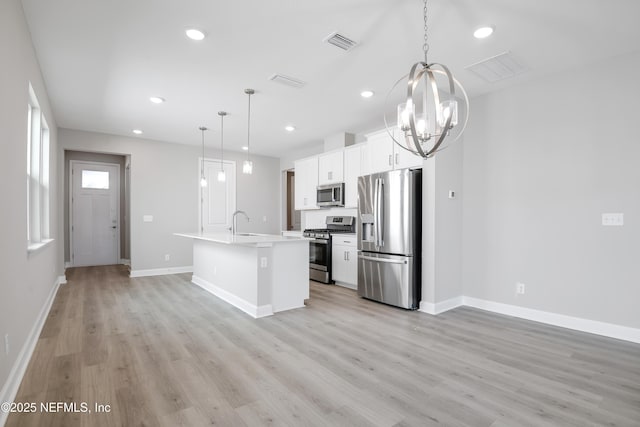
(442, 306)
(160, 271)
(36, 247)
(252, 310)
(125, 262)
(10, 388)
(585, 325)
(62, 280)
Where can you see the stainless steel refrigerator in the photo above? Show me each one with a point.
(389, 228)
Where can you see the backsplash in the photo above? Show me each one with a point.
(316, 218)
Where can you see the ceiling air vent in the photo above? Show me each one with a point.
(286, 80)
(338, 40)
(497, 67)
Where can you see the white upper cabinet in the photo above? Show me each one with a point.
(306, 183)
(330, 167)
(378, 154)
(352, 170)
(383, 154)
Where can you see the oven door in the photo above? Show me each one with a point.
(320, 260)
(319, 254)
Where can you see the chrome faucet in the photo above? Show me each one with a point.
(234, 218)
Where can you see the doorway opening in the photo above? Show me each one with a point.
(96, 209)
(293, 220)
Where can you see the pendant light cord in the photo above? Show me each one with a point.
(202, 129)
(221, 142)
(249, 128)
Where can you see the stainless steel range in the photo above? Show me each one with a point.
(320, 246)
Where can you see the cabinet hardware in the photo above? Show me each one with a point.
(396, 158)
(390, 163)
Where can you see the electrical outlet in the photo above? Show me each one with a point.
(6, 344)
(167, 257)
(613, 219)
(263, 262)
(520, 288)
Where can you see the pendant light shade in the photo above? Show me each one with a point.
(429, 112)
(203, 179)
(221, 175)
(247, 165)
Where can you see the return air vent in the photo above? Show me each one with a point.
(286, 80)
(338, 40)
(497, 67)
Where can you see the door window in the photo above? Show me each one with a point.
(98, 180)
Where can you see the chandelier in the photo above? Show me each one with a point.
(427, 116)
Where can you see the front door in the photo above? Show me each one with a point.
(94, 220)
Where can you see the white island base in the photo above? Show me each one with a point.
(260, 274)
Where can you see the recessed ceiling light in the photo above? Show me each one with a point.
(157, 100)
(483, 32)
(194, 34)
(245, 148)
(366, 93)
(289, 128)
(137, 131)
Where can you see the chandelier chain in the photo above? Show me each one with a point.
(425, 45)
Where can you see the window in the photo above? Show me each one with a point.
(38, 232)
(98, 180)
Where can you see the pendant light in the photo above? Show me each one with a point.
(247, 165)
(423, 126)
(221, 175)
(203, 179)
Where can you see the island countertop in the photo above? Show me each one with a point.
(247, 239)
(261, 274)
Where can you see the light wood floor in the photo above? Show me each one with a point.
(162, 352)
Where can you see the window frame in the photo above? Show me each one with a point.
(38, 176)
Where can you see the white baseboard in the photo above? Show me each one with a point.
(125, 261)
(576, 323)
(251, 309)
(11, 386)
(579, 324)
(440, 307)
(160, 271)
(62, 280)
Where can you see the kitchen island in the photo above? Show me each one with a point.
(258, 273)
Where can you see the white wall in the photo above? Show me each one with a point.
(542, 162)
(26, 281)
(164, 183)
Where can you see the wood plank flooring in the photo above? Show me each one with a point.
(163, 352)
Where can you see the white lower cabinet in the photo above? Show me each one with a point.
(344, 261)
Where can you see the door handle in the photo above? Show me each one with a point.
(386, 260)
(114, 226)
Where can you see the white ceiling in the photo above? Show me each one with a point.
(102, 60)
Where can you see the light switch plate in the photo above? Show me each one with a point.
(615, 219)
(147, 218)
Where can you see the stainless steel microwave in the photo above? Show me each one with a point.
(330, 195)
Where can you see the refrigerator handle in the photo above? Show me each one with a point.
(380, 213)
(375, 211)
